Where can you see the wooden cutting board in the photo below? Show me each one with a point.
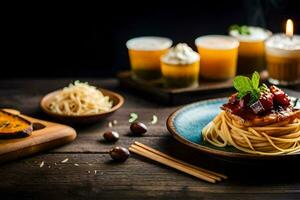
(45, 135)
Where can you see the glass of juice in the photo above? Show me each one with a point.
(251, 52)
(144, 55)
(218, 56)
(180, 67)
(283, 59)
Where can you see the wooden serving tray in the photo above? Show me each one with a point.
(171, 96)
(176, 96)
(45, 135)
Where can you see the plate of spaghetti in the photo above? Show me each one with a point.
(81, 103)
(257, 121)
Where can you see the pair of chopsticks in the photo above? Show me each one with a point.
(165, 159)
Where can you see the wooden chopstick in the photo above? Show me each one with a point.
(196, 170)
(193, 167)
(160, 157)
(212, 174)
(170, 163)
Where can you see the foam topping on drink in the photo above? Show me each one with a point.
(149, 43)
(281, 41)
(181, 54)
(252, 34)
(217, 42)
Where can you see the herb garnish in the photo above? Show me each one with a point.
(133, 117)
(154, 119)
(242, 30)
(245, 86)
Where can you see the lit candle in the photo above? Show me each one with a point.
(283, 57)
(289, 29)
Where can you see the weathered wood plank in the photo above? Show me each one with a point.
(89, 143)
(134, 179)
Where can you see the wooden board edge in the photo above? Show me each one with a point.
(31, 150)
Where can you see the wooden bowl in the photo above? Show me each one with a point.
(117, 99)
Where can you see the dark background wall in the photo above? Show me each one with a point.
(73, 40)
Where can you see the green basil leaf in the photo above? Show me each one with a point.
(234, 27)
(242, 84)
(246, 86)
(254, 96)
(242, 94)
(263, 88)
(255, 80)
(244, 30)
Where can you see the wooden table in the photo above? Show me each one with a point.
(97, 177)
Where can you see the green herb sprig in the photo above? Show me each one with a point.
(242, 30)
(154, 119)
(133, 117)
(245, 85)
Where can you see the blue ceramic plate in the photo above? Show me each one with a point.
(186, 125)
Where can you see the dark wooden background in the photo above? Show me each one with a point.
(137, 178)
(83, 39)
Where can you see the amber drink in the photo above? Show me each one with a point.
(283, 59)
(218, 56)
(144, 55)
(251, 52)
(180, 67)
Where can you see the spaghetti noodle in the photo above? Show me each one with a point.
(278, 138)
(80, 99)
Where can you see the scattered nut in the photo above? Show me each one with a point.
(111, 136)
(119, 154)
(138, 128)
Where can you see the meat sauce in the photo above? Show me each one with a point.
(249, 115)
(273, 103)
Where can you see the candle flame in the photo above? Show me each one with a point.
(289, 31)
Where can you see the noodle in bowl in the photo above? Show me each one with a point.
(80, 99)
